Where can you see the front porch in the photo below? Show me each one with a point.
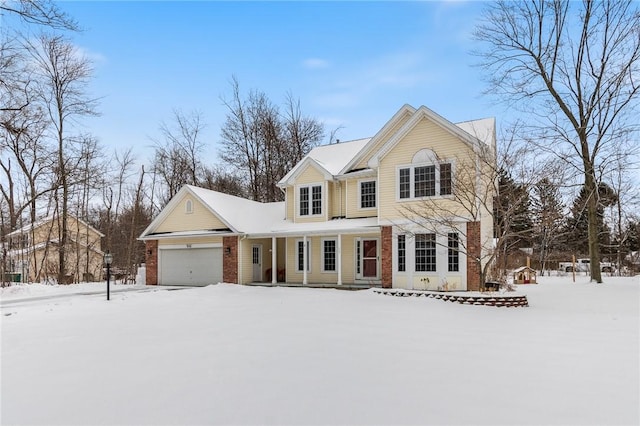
(349, 260)
(355, 286)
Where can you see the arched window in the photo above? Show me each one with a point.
(188, 207)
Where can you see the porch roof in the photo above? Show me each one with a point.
(287, 228)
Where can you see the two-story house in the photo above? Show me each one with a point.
(407, 208)
(34, 251)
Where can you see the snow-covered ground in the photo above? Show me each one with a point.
(229, 354)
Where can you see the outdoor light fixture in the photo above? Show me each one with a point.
(108, 258)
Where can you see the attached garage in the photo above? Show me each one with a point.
(190, 266)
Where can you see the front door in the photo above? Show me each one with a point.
(370, 259)
(256, 256)
(367, 259)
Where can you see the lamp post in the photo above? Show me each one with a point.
(108, 258)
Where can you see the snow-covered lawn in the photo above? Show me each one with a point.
(229, 354)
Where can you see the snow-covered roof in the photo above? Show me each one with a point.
(482, 129)
(239, 214)
(48, 219)
(243, 215)
(332, 158)
(330, 227)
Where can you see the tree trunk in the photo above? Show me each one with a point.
(592, 219)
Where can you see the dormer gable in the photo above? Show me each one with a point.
(300, 169)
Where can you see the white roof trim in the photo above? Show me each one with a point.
(183, 234)
(172, 204)
(374, 140)
(301, 167)
(422, 112)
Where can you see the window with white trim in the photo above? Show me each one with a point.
(304, 201)
(329, 255)
(402, 253)
(425, 252)
(427, 180)
(310, 200)
(368, 194)
(188, 207)
(300, 255)
(445, 179)
(453, 252)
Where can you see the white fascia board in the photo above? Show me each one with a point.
(171, 205)
(194, 234)
(319, 232)
(374, 140)
(302, 167)
(422, 112)
(358, 174)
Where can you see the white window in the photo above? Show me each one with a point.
(402, 253)
(328, 255)
(425, 252)
(300, 255)
(188, 207)
(310, 200)
(453, 252)
(368, 194)
(426, 180)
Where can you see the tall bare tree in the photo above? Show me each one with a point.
(573, 68)
(62, 76)
(178, 154)
(258, 140)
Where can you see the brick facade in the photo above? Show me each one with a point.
(230, 259)
(474, 251)
(387, 257)
(151, 261)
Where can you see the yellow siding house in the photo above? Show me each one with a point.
(408, 208)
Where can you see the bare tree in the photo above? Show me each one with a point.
(573, 67)
(62, 76)
(39, 12)
(178, 154)
(625, 206)
(548, 218)
(257, 139)
(473, 198)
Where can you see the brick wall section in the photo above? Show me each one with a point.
(473, 252)
(230, 259)
(151, 261)
(387, 257)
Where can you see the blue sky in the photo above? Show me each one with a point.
(351, 64)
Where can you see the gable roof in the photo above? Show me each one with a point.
(331, 159)
(239, 214)
(424, 112)
(48, 219)
(404, 109)
(338, 159)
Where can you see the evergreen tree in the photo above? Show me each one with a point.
(576, 230)
(512, 212)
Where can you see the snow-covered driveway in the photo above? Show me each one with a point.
(231, 354)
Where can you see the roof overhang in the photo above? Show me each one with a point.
(186, 234)
(290, 178)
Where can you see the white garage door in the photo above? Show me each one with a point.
(193, 266)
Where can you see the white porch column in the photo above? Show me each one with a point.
(274, 260)
(304, 260)
(339, 259)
